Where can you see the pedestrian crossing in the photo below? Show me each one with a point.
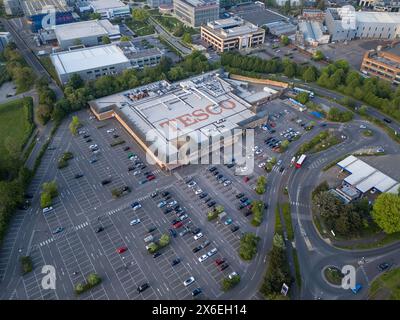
(317, 163)
(46, 242)
(299, 204)
(82, 225)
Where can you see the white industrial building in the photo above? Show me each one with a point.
(344, 25)
(109, 9)
(313, 33)
(93, 62)
(87, 33)
(363, 178)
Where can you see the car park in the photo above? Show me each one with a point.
(219, 261)
(206, 244)
(223, 266)
(177, 225)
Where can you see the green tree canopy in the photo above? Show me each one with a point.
(386, 212)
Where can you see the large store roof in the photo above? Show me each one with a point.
(85, 29)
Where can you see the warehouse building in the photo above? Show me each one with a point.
(232, 33)
(313, 33)
(344, 25)
(194, 13)
(361, 179)
(36, 11)
(280, 28)
(381, 64)
(109, 9)
(201, 107)
(93, 62)
(87, 33)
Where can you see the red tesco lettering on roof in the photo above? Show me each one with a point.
(198, 115)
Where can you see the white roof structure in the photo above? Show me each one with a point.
(67, 62)
(365, 177)
(377, 17)
(85, 29)
(106, 4)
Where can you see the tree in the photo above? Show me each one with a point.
(45, 200)
(260, 187)
(318, 55)
(302, 97)
(278, 241)
(93, 279)
(125, 38)
(187, 38)
(152, 247)
(248, 246)
(257, 207)
(95, 16)
(50, 188)
(310, 75)
(284, 145)
(74, 125)
(75, 81)
(386, 212)
(285, 40)
(43, 113)
(105, 40)
(164, 240)
(228, 283)
(140, 14)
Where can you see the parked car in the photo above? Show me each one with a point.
(198, 236)
(134, 222)
(121, 249)
(143, 287)
(188, 281)
(99, 229)
(383, 266)
(203, 258)
(57, 230)
(175, 261)
(196, 292)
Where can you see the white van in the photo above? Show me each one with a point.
(148, 238)
(47, 209)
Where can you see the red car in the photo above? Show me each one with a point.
(245, 179)
(177, 225)
(219, 261)
(151, 177)
(122, 249)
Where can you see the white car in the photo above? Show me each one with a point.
(134, 222)
(261, 165)
(259, 151)
(212, 252)
(363, 126)
(183, 217)
(254, 148)
(82, 132)
(47, 209)
(233, 274)
(172, 203)
(279, 162)
(93, 146)
(138, 206)
(96, 151)
(203, 258)
(198, 236)
(135, 173)
(198, 191)
(188, 281)
(191, 184)
(227, 183)
(110, 130)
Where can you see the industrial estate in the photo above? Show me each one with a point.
(200, 150)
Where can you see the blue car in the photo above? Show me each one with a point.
(93, 160)
(357, 288)
(172, 232)
(228, 221)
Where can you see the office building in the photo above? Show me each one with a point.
(384, 65)
(195, 13)
(232, 33)
(109, 9)
(157, 3)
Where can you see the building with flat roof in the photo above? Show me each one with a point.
(157, 3)
(313, 33)
(36, 12)
(12, 7)
(93, 62)
(161, 116)
(196, 12)
(362, 178)
(88, 33)
(312, 14)
(280, 28)
(382, 64)
(232, 33)
(109, 9)
(345, 25)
